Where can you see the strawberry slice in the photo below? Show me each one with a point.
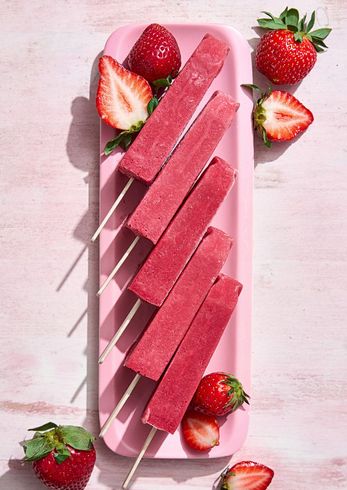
(285, 116)
(123, 96)
(279, 116)
(247, 475)
(200, 431)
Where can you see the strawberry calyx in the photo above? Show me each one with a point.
(57, 438)
(290, 20)
(236, 393)
(123, 139)
(259, 113)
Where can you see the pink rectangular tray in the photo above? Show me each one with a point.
(127, 433)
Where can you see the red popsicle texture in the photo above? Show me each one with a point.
(157, 138)
(173, 394)
(167, 260)
(166, 194)
(155, 348)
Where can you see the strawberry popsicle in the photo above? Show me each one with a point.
(164, 197)
(159, 135)
(173, 394)
(167, 260)
(155, 348)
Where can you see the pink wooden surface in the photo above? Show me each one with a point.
(49, 201)
(127, 433)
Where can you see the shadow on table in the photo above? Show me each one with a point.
(19, 476)
(82, 148)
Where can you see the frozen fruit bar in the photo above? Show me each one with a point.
(154, 350)
(172, 396)
(167, 260)
(164, 197)
(159, 135)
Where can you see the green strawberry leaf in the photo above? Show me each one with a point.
(126, 141)
(42, 428)
(292, 28)
(270, 24)
(163, 82)
(123, 139)
(292, 18)
(302, 23)
(112, 144)
(76, 437)
(319, 42)
(62, 454)
(135, 128)
(321, 33)
(311, 21)
(284, 13)
(37, 448)
(152, 104)
(319, 49)
(251, 86)
(269, 14)
(266, 141)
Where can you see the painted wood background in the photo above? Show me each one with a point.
(49, 202)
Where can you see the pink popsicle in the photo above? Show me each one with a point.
(155, 348)
(164, 197)
(167, 260)
(159, 135)
(173, 394)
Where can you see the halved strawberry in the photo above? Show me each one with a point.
(247, 475)
(279, 116)
(200, 431)
(123, 96)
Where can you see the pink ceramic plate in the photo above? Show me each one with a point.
(127, 433)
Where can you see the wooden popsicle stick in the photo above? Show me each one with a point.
(113, 208)
(118, 265)
(139, 457)
(120, 405)
(120, 331)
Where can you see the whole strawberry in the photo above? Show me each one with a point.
(287, 53)
(156, 54)
(63, 456)
(219, 394)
